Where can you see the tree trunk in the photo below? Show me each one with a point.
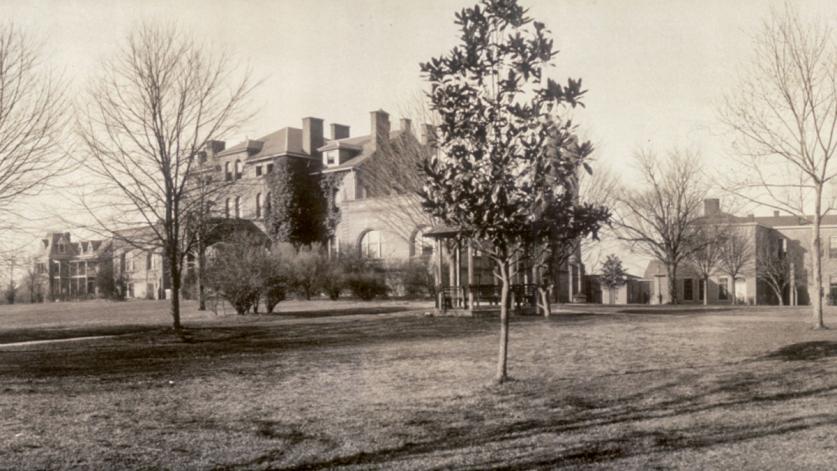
(544, 296)
(778, 293)
(816, 296)
(502, 359)
(174, 276)
(706, 291)
(200, 264)
(732, 290)
(672, 283)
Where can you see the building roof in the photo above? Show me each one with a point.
(284, 141)
(363, 142)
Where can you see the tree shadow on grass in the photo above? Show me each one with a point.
(805, 351)
(162, 352)
(604, 429)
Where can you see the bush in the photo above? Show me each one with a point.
(235, 270)
(366, 285)
(333, 279)
(306, 269)
(411, 278)
(274, 281)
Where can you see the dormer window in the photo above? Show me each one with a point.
(330, 158)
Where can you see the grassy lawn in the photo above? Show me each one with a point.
(752, 388)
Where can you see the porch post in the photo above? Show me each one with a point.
(451, 268)
(437, 275)
(470, 276)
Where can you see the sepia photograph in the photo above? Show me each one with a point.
(418, 235)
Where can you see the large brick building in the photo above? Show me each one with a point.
(769, 236)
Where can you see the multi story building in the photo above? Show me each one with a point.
(769, 237)
(67, 269)
(384, 227)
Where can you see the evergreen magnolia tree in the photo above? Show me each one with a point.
(613, 275)
(493, 177)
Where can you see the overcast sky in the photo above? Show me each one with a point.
(655, 70)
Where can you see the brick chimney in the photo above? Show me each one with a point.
(428, 134)
(312, 136)
(775, 213)
(339, 131)
(380, 129)
(214, 147)
(406, 125)
(711, 207)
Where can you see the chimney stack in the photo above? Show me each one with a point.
(428, 134)
(312, 136)
(406, 125)
(214, 147)
(775, 213)
(339, 131)
(380, 128)
(711, 207)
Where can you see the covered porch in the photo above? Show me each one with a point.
(465, 281)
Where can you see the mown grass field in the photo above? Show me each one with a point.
(751, 388)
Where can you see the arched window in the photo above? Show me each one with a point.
(258, 205)
(237, 206)
(237, 169)
(372, 244)
(227, 174)
(422, 246)
(227, 209)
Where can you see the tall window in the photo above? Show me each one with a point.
(227, 174)
(259, 205)
(258, 170)
(237, 169)
(372, 244)
(237, 206)
(832, 247)
(227, 209)
(422, 246)
(688, 294)
(723, 288)
(701, 289)
(269, 168)
(267, 204)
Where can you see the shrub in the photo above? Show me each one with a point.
(366, 285)
(274, 286)
(411, 278)
(333, 279)
(235, 271)
(307, 266)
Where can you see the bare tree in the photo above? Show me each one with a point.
(662, 219)
(161, 99)
(736, 251)
(784, 116)
(32, 118)
(775, 267)
(706, 257)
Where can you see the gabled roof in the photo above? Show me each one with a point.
(284, 141)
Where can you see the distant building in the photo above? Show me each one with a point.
(67, 269)
(634, 290)
(781, 236)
